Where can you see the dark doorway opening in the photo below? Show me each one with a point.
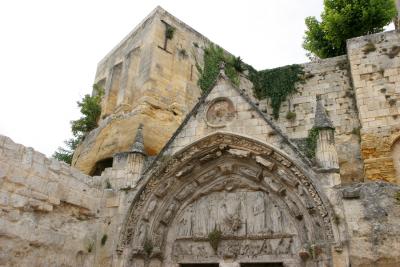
(100, 166)
(272, 264)
(200, 265)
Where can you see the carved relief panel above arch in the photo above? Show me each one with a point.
(258, 202)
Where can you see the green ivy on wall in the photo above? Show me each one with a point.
(213, 56)
(275, 84)
(311, 142)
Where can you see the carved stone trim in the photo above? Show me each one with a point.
(168, 179)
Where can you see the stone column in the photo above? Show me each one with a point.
(326, 154)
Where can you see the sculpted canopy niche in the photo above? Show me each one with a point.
(227, 197)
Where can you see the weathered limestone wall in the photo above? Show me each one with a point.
(375, 68)
(47, 210)
(156, 86)
(372, 214)
(53, 215)
(329, 78)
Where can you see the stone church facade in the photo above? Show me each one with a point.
(188, 179)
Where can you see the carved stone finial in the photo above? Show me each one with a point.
(222, 69)
(322, 120)
(138, 145)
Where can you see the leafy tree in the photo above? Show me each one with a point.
(345, 19)
(90, 107)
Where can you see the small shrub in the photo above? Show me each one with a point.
(238, 64)
(148, 246)
(392, 102)
(311, 142)
(90, 247)
(108, 185)
(397, 197)
(394, 51)
(182, 53)
(368, 48)
(104, 239)
(356, 131)
(291, 115)
(214, 238)
(169, 32)
(195, 44)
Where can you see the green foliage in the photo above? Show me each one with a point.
(290, 115)
(345, 19)
(90, 107)
(90, 247)
(104, 239)
(182, 53)
(238, 64)
(311, 143)
(214, 238)
(108, 185)
(148, 246)
(397, 197)
(66, 154)
(213, 56)
(169, 32)
(394, 51)
(275, 84)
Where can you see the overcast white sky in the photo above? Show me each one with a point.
(49, 50)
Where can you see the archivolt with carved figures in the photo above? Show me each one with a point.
(252, 199)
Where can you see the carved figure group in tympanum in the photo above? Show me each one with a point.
(259, 205)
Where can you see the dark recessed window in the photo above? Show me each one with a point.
(100, 166)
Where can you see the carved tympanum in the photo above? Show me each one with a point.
(263, 204)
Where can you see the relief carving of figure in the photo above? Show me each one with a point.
(142, 234)
(158, 238)
(163, 188)
(169, 212)
(259, 213)
(185, 223)
(186, 191)
(150, 209)
(231, 209)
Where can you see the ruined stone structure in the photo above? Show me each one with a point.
(180, 178)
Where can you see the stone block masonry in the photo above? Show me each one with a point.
(375, 69)
(47, 210)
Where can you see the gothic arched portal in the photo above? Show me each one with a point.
(227, 197)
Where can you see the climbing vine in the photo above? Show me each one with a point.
(311, 142)
(213, 57)
(214, 238)
(275, 84)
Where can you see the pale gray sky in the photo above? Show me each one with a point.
(49, 50)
